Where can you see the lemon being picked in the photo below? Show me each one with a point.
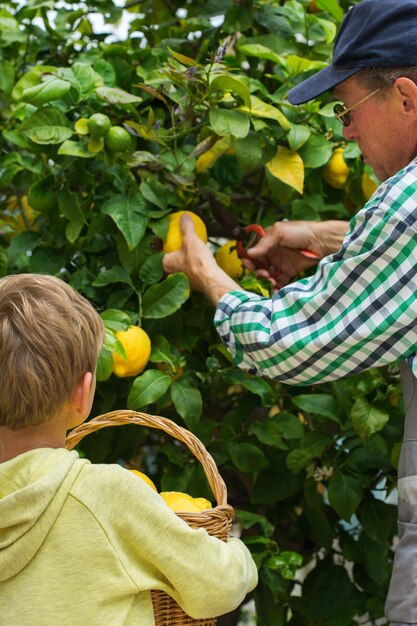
(137, 345)
(173, 239)
(228, 259)
(145, 478)
(336, 171)
(178, 501)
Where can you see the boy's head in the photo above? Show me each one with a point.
(50, 337)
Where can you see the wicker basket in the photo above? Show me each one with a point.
(217, 521)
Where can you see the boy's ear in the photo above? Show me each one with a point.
(81, 397)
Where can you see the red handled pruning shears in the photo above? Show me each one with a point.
(248, 236)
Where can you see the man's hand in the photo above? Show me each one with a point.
(196, 260)
(275, 255)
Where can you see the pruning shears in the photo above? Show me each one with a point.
(248, 236)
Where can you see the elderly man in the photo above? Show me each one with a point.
(359, 310)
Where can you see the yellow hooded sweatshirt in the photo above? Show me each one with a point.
(83, 545)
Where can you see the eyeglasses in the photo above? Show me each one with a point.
(343, 114)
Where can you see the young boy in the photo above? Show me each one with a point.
(84, 544)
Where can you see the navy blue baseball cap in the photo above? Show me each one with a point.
(374, 33)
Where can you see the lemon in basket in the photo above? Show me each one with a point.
(145, 478)
(178, 501)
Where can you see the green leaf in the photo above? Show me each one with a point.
(287, 563)
(249, 519)
(117, 274)
(318, 404)
(87, 78)
(255, 385)
(167, 297)
(182, 58)
(47, 126)
(73, 230)
(148, 388)
(276, 484)
(268, 432)
(50, 89)
(260, 51)
(236, 85)
(7, 77)
(114, 95)
(247, 457)
(248, 151)
(259, 108)
(298, 136)
(345, 493)
(46, 260)
(72, 148)
(367, 419)
(129, 213)
(229, 122)
(333, 7)
(289, 425)
(313, 445)
(155, 193)
(333, 583)
(152, 270)
(187, 401)
(161, 351)
(299, 64)
(378, 519)
(69, 207)
(316, 152)
(104, 364)
(115, 319)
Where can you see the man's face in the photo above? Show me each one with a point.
(380, 127)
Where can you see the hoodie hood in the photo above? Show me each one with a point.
(33, 489)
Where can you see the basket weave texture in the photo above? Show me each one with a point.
(216, 521)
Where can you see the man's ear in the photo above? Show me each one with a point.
(407, 92)
(81, 395)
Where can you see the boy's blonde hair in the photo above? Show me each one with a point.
(50, 337)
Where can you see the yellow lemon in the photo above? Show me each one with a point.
(143, 476)
(173, 240)
(336, 171)
(368, 186)
(138, 350)
(178, 501)
(227, 258)
(24, 215)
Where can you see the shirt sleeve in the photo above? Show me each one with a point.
(207, 577)
(358, 311)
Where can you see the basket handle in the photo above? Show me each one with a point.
(121, 417)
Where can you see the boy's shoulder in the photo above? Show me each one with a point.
(99, 484)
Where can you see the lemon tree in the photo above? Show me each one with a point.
(109, 137)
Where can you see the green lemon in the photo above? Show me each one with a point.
(98, 125)
(42, 195)
(118, 139)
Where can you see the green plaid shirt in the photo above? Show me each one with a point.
(358, 311)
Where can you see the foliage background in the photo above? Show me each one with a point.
(201, 87)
